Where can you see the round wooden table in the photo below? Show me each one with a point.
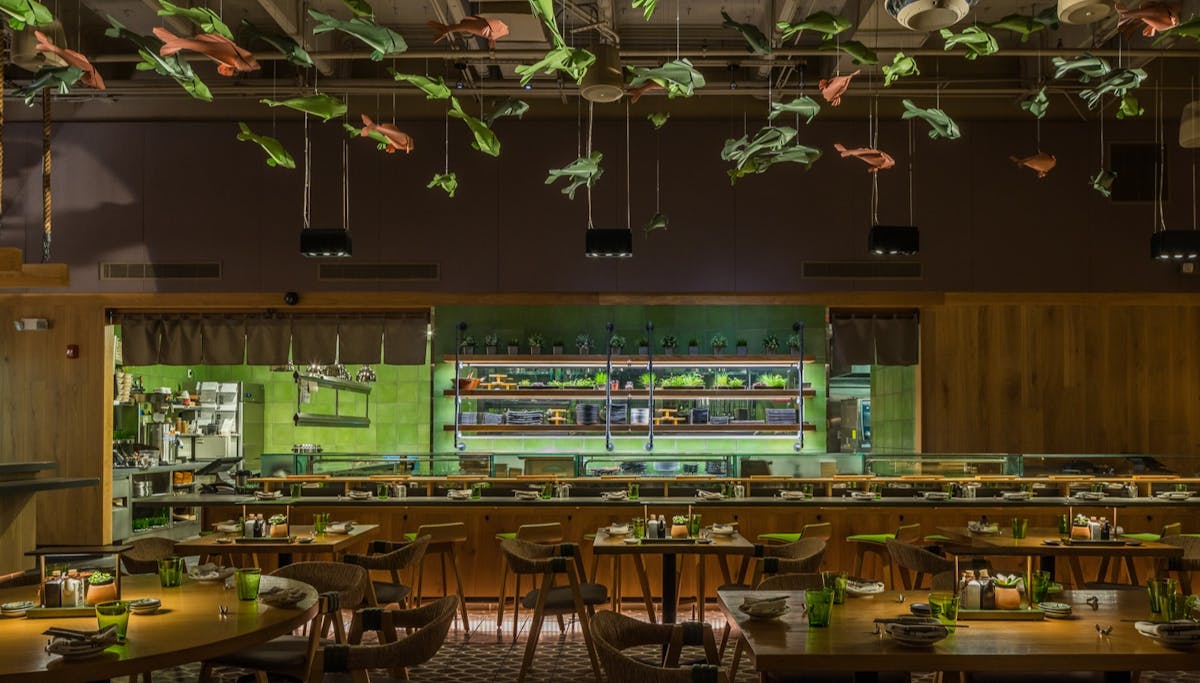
(188, 628)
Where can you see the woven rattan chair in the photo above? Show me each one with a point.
(1183, 566)
(429, 625)
(143, 557)
(288, 655)
(1172, 529)
(393, 558)
(910, 558)
(801, 557)
(821, 530)
(548, 533)
(876, 544)
(443, 544)
(550, 561)
(614, 633)
(778, 582)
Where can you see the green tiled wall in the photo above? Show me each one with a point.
(893, 409)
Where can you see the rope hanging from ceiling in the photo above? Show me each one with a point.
(46, 227)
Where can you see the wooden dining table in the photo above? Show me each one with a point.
(327, 545)
(187, 628)
(850, 643)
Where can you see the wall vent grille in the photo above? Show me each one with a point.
(871, 270)
(379, 271)
(160, 271)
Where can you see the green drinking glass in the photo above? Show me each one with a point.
(819, 605)
(1020, 526)
(247, 583)
(1159, 590)
(639, 527)
(943, 605)
(297, 490)
(320, 522)
(1039, 586)
(694, 526)
(115, 612)
(1174, 606)
(170, 572)
(836, 582)
(634, 490)
(1064, 524)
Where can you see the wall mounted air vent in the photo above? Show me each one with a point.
(160, 271)
(379, 271)
(870, 270)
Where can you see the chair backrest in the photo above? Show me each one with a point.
(612, 633)
(1190, 545)
(402, 556)
(535, 558)
(823, 531)
(349, 581)
(550, 532)
(450, 532)
(798, 550)
(802, 557)
(1172, 529)
(792, 582)
(908, 533)
(432, 623)
(143, 557)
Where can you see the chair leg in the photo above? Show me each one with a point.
(595, 568)
(420, 581)
(1132, 569)
(858, 562)
(462, 596)
(535, 627)
(516, 605)
(205, 673)
(639, 566)
(700, 562)
(445, 584)
(725, 632)
(1102, 573)
(616, 582)
(500, 604)
(583, 623)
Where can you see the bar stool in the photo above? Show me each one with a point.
(442, 542)
(823, 531)
(546, 534)
(1172, 529)
(875, 544)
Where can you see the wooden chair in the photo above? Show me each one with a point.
(143, 557)
(1172, 529)
(823, 531)
(548, 533)
(876, 545)
(443, 540)
(580, 599)
(393, 558)
(614, 633)
(778, 582)
(908, 557)
(801, 557)
(1182, 566)
(429, 623)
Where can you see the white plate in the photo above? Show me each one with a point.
(722, 530)
(858, 588)
(622, 530)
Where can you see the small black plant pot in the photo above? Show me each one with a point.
(693, 350)
(490, 350)
(643, 350)
(557, 349)
(514, 350)
(535, 350)
(742, 351)
(468, 350)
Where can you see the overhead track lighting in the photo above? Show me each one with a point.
(609, 243)
(894, 240)
(1175, 245)
(333, 243)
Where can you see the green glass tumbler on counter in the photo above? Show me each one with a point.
(836, 582)
(1039, 586)
(694, 526)
(1174, 606)
(1159, 590)
(114, 612)
(639, 527)
(170, 572)
(819, 605)
(247, 580)
(943, 606)
(320, 522)
(1064, 524)
(1020, 527)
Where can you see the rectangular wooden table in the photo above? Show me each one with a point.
(327, 544)
(849, 643)
(721, 547)
(967, 543)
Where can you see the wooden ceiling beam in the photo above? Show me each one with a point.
(16, 274)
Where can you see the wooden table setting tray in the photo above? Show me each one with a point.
(1097, 543)
(265, 539)
(56, 612)
(1001, 614)
(670, 541)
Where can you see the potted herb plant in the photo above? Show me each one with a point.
(583, 342)
(693, 347)
(718, 343)
(770, 344)
(514, 346)
(794, 343)
(1008, 592)
(643, 346)
(617, 344)
(102, 587)
(645, 379)
(490, 342)
(467, 345)
(557, 347)
(742, 347)
(279, 526)
(679, 526)
(668, 344)
(535, 344)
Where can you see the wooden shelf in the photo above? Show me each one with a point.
(630, 361)
(35, 485)
(573, 393)
(739, 428)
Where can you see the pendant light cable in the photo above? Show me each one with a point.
(345, 183)
(307, 173)
(589, 154)
(1161, 139)
(912, 166)
(47, 227)
(628, 210)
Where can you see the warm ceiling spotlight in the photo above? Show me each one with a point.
(605, 79)
(733, 69)
(609, 243)
(528, 86)
(1175, 245)
(894, 240)
(1083, 11)
(333, 243)
(928, 15)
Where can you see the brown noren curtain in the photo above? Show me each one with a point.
(314, 340)
(224, 340)
(360, 341)
(405, 341)
(140, 340)
(181, 342)
(268, 341)
(896, 341)
(853, 343)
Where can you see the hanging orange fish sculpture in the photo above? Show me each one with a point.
(90, 77)
(1040, 162)
(489, 29)
(874, 158)
(229, 57)
(397, 139)
(1157, 16)
(635, 94)
(833, 88)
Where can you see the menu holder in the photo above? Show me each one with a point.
(1096, 543)
(64, 612)
(1001, 614)
(670, 541)
(278, 540)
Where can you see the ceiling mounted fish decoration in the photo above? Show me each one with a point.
(875, 159)
(647, 7)
(804, 106)
(230, 58)
(902, 66)
(434, 88)
(1103, 181)
(679, 78)
(1130, 108)
(446, 181)
(832, 89)
(58, 78)
(322, 106)
(510, 107)
(205, 19)
(382, 40)
(828, 25)
(756, 42)
(490, 30)
(1188, 29)
(1036, 103)
(940, 123)
(1155, 17)
(360, 8)
(573, 62)
(635, 94)
(771, 145)
(658, 221)
(1040, 162)
(290, 49)
(583, 171)
(1089, 67)
(174, 66)
(485, 140)
(22, 13)
(1117, 84)
(976, 41)
(659, 119)
(90, 78)
(388, 138)
(277, 156)
(1025, 25)
(859, 53)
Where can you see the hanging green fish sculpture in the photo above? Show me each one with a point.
(381, 39)
(828, 25)
(679, 77)
(434, 88)
(978, 42)
(290, 49)
(60, 78)
(805, 106)
(1025, 25)
(361, 8)
(1089, 67)
(1036, 103)
(509, 107)
(562, 57)
(277, 156)
(756, 42)
(22, 13)
(859, 53)
(902, 66)
(174, 66)
(582, 171)
(659, 119)
(1116, 84)
(1102, 182)
(658, 221)
(446, 181)
(321, 105)
(771, 145)
(485, 140)
(1188, 29)
(1130, 108)
(940, 124)
(647, 7)
(205, 19)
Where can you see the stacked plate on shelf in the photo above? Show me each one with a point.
(1055, 610)
(1017, 495)
(718, 419)
(524, 417)
(15, 609)
(1181, 634)
(617, 414)
(467, 418)
(633, 467)
(1089, 495)
(1174, 495)
(781, 416)
(639, 416)
(587, 414)
(490, 418)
